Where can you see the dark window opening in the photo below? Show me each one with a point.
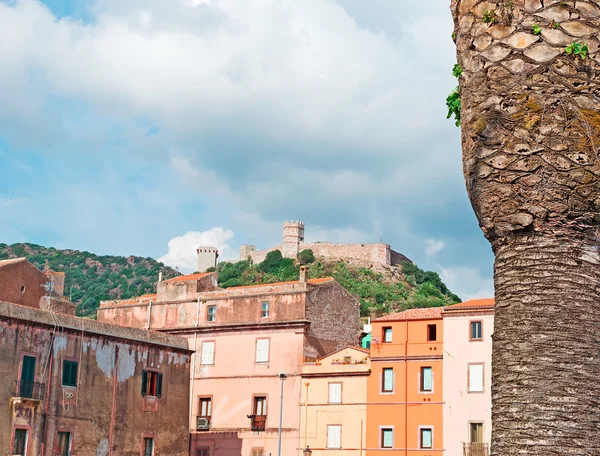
(431, 333)
(20, 442)
(151, 384)
(148, 446)
(63, 444)
(69, 374)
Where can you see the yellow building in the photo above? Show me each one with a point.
(333, 403)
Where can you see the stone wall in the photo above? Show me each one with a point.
(107, 403)
(21, 282)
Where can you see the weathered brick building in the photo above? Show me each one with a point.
(293, 243)
(22, 283)
(77, 387)
(244, 337)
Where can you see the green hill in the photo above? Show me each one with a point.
(91, 278)
(382, 290)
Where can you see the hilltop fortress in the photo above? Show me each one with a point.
(293, 243)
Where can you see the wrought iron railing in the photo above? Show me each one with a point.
(30, 390)
(202, 423)
(258, 422)
(476, 449)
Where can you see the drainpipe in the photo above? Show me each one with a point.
(192, 375)
(406, 392)
(47, 407)
(306, 413)
(360, 452)
(114, 403)
(197, 312)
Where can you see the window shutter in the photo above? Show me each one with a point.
(144, 382)
(334, 436)
(159, 385)
(208, 353)
(476, 377)
(262, 350)
(335, 393)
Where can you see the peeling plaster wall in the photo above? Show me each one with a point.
(85, 411)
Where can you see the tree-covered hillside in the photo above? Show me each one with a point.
(90, 278)
(387, 290)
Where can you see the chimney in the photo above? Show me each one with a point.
(160, 277)
(303, 274)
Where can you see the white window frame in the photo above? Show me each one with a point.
(208, 316)
(336, 444)
(382, 381)
(423, 391)
(262, 356)
(336, 397)
(208, 360)
(469, 383)
(268, 309)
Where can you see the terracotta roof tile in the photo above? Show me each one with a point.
(427, 313)
(487, 302)
(277, 284)
(187, 278)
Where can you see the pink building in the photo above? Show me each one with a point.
(468, 328)
(245, 338)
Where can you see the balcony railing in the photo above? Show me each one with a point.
(258, 422)
(30, 390)
(202, 423)
(476, 449)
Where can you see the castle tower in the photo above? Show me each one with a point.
(293, 235)
(207, 257)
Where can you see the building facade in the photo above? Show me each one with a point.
(250, 343)
(74, 386)
(405, 400)
(293, 243)
(468, 329)
(333, 403)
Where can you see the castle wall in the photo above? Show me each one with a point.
(373, 253)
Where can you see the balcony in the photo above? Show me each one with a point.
(202, 423)
(258, 422)
(476, 449)
(29, 390)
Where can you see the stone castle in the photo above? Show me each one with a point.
(293, 243)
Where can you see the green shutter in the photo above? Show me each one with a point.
(159, 385)
(69, 375)
(144, 382)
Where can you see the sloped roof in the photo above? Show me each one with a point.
(427, 313)
(278, 284)
(473, 303)
(187, 278)
(11, 261)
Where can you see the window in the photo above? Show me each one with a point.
(476, 327)
(205, 408)
(387, 334)
(208, 353)
(426, 438)
(63, 444)
(258, 452)
(387, 438)
(426, 379)
(69, 374)
(431, 333)
(259, 418)
(23, 289)
(260, 406)
(476, 434)
(262, 350)
(20, 442)
(264, 309)
(203, 451)
(151, 383)
(334, 436)
(211, 313)
(475, 379)
(148, 446)
(335, 393)
(387, 380)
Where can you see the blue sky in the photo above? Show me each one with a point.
(147, 127)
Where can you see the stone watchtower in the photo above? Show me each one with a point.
(293, 236)
(207, 257)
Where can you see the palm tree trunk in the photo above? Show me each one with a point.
(530, 134)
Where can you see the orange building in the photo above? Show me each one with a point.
(404, 392)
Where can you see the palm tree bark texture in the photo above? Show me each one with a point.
(530, 137)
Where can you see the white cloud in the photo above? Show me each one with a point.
(432, 246)
(467, 282)
(182, 249)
